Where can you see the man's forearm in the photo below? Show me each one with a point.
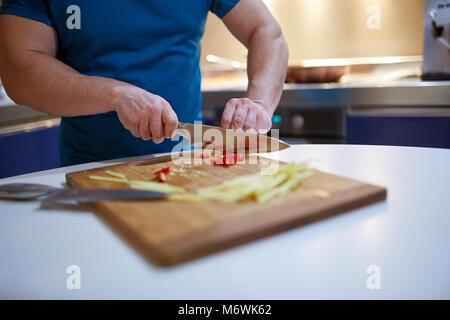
(48, 85)
(267, 66)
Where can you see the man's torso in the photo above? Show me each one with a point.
(151, 44)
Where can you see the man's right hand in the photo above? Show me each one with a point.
(145, 115)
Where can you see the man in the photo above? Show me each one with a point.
(121, 73)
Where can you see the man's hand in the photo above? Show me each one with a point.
(251, 22)
(145, 115)
(246, 114)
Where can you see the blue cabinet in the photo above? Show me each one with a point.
(399, 130)
(26, 151)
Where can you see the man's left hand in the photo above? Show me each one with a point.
(246, 114)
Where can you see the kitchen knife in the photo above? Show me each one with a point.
(72, 195)
(28, 191)
(201, 136)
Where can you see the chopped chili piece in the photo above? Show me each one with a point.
(162, 177)
(227, 159)
(164, 170)
(162, 174)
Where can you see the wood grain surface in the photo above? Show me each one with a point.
(171, 232)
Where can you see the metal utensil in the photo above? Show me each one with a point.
(229, 140)
(30, 191)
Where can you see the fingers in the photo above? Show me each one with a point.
(148, 118)
(263, 123)
(156, 129)
(161, 120)
(170, 121)
(131, 124)
(243, 114)
(250, 121)
(155, 121)
(228, 113)
(240, 114)
(144, 130)
(134, 129)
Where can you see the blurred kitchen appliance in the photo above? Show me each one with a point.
(436, 47)
(298, 124)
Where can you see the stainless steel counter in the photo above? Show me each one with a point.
(15, 116)
(323, 111)
(404, 93)
(394, 95)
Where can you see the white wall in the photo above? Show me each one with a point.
(317, 29)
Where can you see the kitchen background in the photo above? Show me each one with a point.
(354, 76)
(320, 29)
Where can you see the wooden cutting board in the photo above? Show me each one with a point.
(170, 232)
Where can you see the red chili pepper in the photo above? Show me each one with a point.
(227, 159)
(162, 177)
(163, 170)
(162, 174)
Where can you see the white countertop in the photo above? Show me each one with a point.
(5, 101)
(407, 237)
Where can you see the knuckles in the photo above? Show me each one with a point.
(247, 101)
(233, 101)
(153, 109)
(238, 119)
(137, 109)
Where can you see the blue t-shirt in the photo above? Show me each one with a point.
(152, 44)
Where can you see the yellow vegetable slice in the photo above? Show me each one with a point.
(138, 184)
(100, 178)
(189, 197)
(258, 187)
(154, 186)
(284, 188)
(115, 174)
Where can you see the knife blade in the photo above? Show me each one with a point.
(74, 195)
(201, 136)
